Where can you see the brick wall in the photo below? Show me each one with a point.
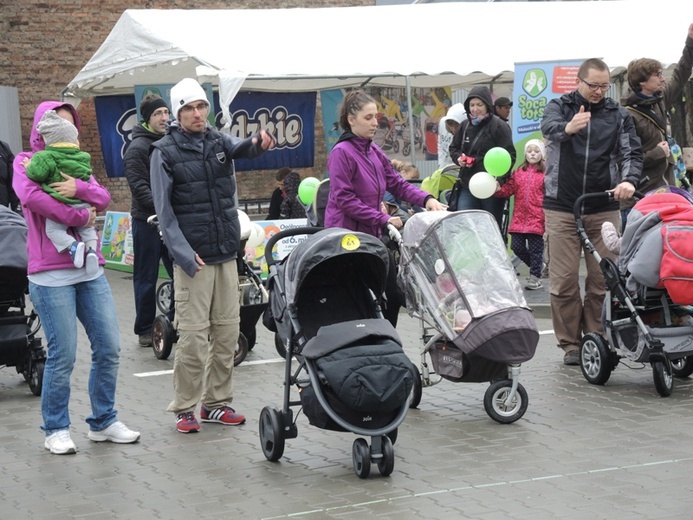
(43, 45)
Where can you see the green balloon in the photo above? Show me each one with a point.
(306, 190)
(497, 161)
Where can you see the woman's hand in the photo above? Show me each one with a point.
(396, 221)
(66, 188)
(433, 204)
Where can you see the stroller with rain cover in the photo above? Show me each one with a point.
(344, 358)
(476, 325)
(19, 346)
(647, 308)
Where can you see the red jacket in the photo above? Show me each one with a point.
(527, 184)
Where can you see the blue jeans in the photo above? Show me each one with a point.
(493, 205)
(59, 308)
(148, 249)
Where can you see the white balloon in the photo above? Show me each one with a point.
(482, 185)
(257, 235)
(244, 220)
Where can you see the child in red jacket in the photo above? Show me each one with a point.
(527, 225)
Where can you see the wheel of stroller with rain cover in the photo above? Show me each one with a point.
(417, 389)
(663, 377)
(163, 337)
(495, 402)
(241, 349)
(386, 464)
(271, 434)
(279, 345)
(361, 457)
(35, 379)
(163, 296)
(682, 367)
(596, 359)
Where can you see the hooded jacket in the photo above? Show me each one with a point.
(491, 132)
(595, 159)
(39, 205)
(657, 168)
(360, 173)
(527, 184)
(455, 113)
(136, 165)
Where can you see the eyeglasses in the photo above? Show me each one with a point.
(659, 74)
(200, 107)
(594, 87)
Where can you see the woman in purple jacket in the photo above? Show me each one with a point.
(360, 174)
(61, 294)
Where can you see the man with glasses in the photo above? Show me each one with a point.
(592, 147)
(193, 182)
(649, 101)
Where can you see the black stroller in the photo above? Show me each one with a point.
(350, 370)
(644, 321)
(19, 346)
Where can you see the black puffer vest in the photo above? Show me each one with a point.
(202, 199)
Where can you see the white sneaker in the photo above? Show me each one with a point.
(116, 432)
(60, 443)
(91, 262)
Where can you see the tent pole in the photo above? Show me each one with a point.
(412, 142)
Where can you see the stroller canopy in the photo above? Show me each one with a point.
(13, 231)
(336, 245)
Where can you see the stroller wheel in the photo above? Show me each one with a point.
(495, 402)
(162, 337)
(386, 464)
(663, 377)
(279, 345)
(417, 390)
(241, 350)
(36, 376)
(595, 359)
(361, 457)
(163, 296)
(271, 434)
(682, 367)
(251, 336)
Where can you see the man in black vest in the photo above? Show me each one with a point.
(146, 243)
(193, 184)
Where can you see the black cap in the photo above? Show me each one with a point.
(503, 102)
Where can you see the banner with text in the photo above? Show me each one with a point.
(289, 117)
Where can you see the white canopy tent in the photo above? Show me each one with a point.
(423, 45)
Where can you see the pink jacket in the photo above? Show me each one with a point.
(527, 184)
(37, 205)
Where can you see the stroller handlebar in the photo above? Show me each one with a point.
(307, 230)
(605, 196)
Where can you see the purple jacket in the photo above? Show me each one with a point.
(360, 173)
(37, 205)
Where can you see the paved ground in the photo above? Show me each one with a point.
(580, 452)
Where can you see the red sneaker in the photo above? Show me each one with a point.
(223, 415)
(187, 423)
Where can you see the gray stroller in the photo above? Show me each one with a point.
(647, 317)
(19, 345)
(476, 326)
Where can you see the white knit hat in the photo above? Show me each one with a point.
(539, 144)
(184, 92)
(54, 129)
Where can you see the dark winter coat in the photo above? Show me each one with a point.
(7, 195)
(492, 132)
(658, 169)
(136, 162)
(595, 159)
